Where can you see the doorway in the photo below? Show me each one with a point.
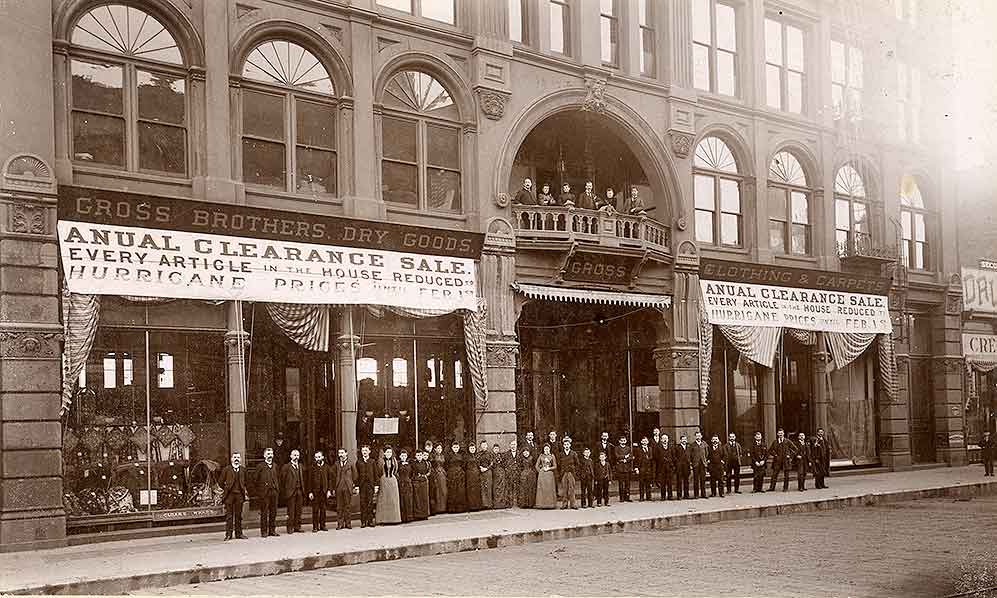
(797, 387)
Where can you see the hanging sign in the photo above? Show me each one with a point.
(743, 304)
(979, 290)
(982, 347)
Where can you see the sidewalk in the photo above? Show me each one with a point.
(121, 567)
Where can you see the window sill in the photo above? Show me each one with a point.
(143, 176)
(704, 248)
(398, 209)
(317, 198)
(801, 259)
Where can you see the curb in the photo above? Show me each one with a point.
(123, 585)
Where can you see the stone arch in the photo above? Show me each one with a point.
(735, 141)
(647, 146)
(166, 12)
(312, 40)
(808, 161)
(867, 169)
(443, 70)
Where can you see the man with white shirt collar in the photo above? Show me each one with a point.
(233, 483)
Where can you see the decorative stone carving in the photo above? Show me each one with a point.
(953, 304)
(499, 227)
(676, 359)
(27, 218)
(28, 172)
(947, 365)
(242, 10)
(681, 143)
(384, 42)
(681, 223)
(595, 94)
(502, 355)
(337, 32)
(688, 248)
(492, 103)
(502, 199)
(29, 343)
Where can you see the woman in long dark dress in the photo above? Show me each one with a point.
(405, 485)
(485, 462)
(388, 503)
(439, 483)
(428, 458)
(546, 491)
(527, 480)
(421, 472)
(456, 493)
(472, 478)
(512, 473)
(500, 486)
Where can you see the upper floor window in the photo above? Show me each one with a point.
(851, 210)
(790, 220)
(719, 219)
(288, 120)
(846, 80)
(784, 66)
(438, 10)
(714, 46)
(609, 27)
(908, 103)
(420, 144)
(519, 21)
(645, 21)
(128, 95)
(560, 26)
(914, 223)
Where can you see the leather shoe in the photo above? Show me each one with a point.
(241, 537)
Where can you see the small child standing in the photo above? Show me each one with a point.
(586, 471)
(600, 475)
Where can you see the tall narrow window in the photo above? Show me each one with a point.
(908, 103)
(518, 21)
(129, 95)
(851, 211)
(789, 206)
(784, 66)
(288, 120)
(420, 144)
(914, 222)
(718, 195)
(846, 80)
(714, 47)
(560, 27)
(645, 14)
(609, 26)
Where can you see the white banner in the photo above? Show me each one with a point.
(742, 304)
(119, 260)
(979, 290)
(980, 346)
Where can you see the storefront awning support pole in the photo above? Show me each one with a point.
(236, 340)
(347, 346)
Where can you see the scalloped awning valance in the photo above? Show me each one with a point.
(539, 291)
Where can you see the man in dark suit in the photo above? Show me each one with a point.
(697, 455)
(716, 465)
(319, 491)
(267, 478)
(367, 478)
(801, 461)
(531, 445)
(665, 467)
(732, 457)
(759, 455)
(604, 446)
(587, 199)
(292, 482)
(781, 453)
(820, 458)
(986, 454)
(525, 195)
(567, 469)
(645, 468)
(344, 484)
(682, 466)
(623, 467)
(233, 483)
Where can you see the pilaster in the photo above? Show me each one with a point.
(947, 370)
(236, 346)
(679, 15)
(346, 347)
(676, 357)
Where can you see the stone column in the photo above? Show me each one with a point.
(677, 358)
(363, 201)
(947, 378)
(770, 411)
(820, 360)
(346, 345)
(236, 344)
(894, 417)
(212, 113)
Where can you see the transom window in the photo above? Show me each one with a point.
(714, 46)
(784, 66)
(420, 144)
(914, 219)
(438, 10)
(789, 206)
(851, 210)
(718, 195)
(288, 120)
(846, 80)
(609, 26)
(129, 92)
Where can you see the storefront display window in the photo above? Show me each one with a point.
(734, 404)
(851, 412)
(980, 406)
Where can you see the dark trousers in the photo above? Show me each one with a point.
(716, 479)
(775, 476)
(343, 509)
(367, 505)
(819, 479)
(623, 486)
(759, 478)
(801, 479)
(733, 478)
(645, 487)
(233, 516)
(988, 463)
(699, 480)
(665, 483)
(682, 484)
(294, 512)
(318, 512)
(602, 492)
(268, 514)
(588, 496)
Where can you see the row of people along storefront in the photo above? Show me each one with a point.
(147, 412)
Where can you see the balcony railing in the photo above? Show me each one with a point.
(862, 246)
(561, 223)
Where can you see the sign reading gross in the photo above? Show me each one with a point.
(197, 250)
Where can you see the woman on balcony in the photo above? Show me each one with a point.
(545, 198)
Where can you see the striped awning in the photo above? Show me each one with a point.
(539, 291)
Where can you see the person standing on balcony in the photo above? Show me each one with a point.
(637, 207)
(545, 198)
(566, 198)
(607, 205)
(588, 200)
(525, 196)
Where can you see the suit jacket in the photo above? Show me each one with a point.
(759, 455)
(623, 459)
(781, 453)
(367, 473)
(586, 468)
(733, 453)
(344, 477)
(567, 463)
(681, 460)
(533, 448)
(820, 455)
(801, 457)
(600, 448)
(267, 478)
(645, 462)
(600, 471)
(716, 459)
(233, 483)
(586, 200)
(564, 198)
(697, 454)
(525, 197)
(318, 480)
(666, 459)
(292, 481)
(986, 447)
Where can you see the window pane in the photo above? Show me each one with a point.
(704, 193)
(99, 139)
(726, 28)
(558, 27)
(730, 196)
(773, 42)
(161, 97)
(443, 147)
(841, 216)
(704, 226)
(316, 125)
(730, 229)
(854, 68)
(516, 20)
(773, 86)
(97, 87)
(920, 256)
(777, 203)
(438, 10)
(647, 64)
(701, 22)
(399, 139)
(801, 210)
(316, 170)
(841, 238)
(262, 115)
(794, 92)
(644, 15)
(838, 62)
(400, 183)
(444, 190)
(701, 67)
(403, 5)
(861, 217)
(777, 236)
(606, 27)
(801, 239)
(162, 148)
(905, 221)
(919, 232)
(794, 48)
(263, 163)
(726, 81)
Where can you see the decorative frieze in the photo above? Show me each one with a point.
(492, 103)
(595, 94)
(29, 343)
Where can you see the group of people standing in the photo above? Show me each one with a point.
(587, 200)
(392, 488)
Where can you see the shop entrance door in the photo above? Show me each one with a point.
(309, 404)
(797, 388)
(922, 421)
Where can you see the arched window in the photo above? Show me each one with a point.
(719, 219)
(128, 95)
(420, 144)
(852, 212)
(790, 215)
(914, 222)
(288, 120)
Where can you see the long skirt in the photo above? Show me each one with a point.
(439, 502)
(405, 498)
(500, 489)
(486, 489)
(420, 498)
(527, 488)
(512, 483)
(389, 508)
(456, 493)
(546, 491)
(472, 485)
